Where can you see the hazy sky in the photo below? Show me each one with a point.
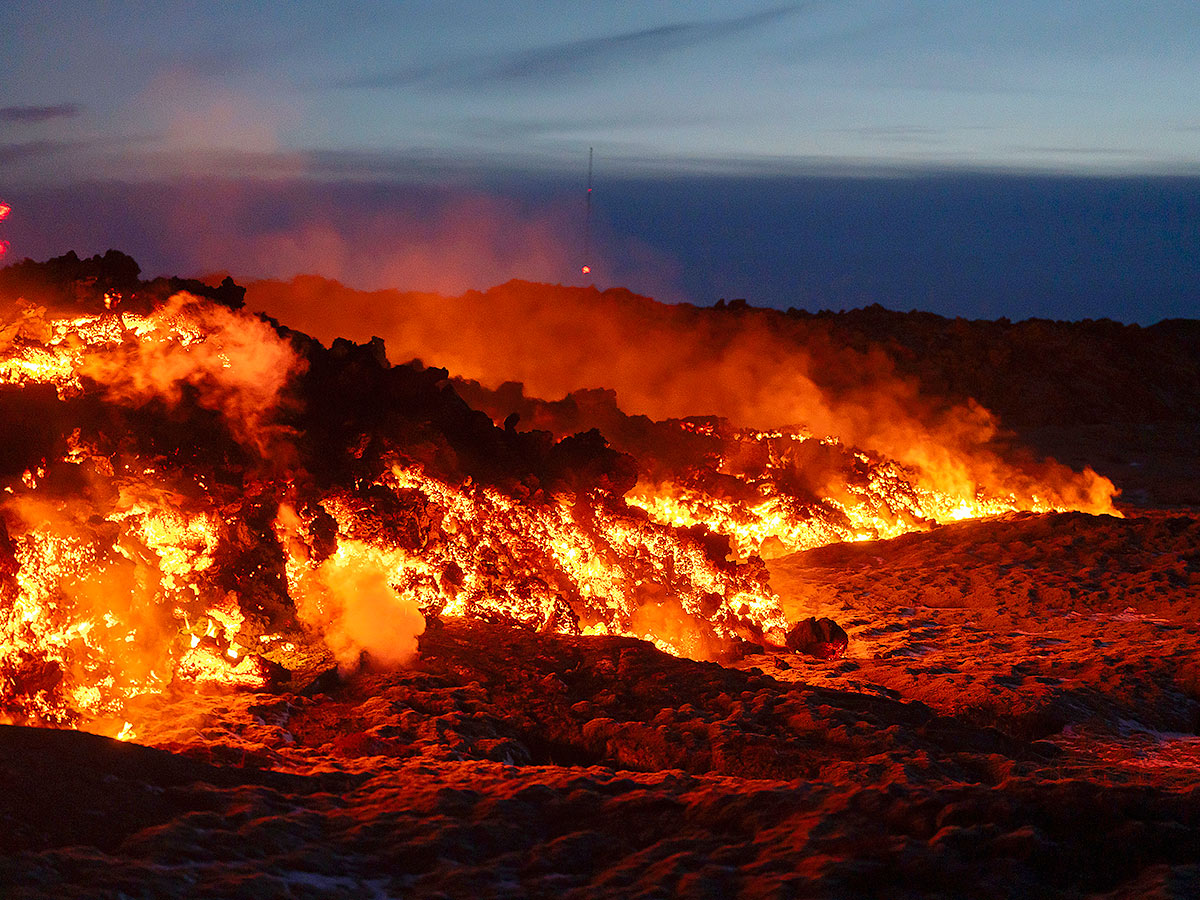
(1065, 84)
(450, 93)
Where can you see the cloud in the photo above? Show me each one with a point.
(572, 127)
(58, 160)
(28, 115)
(22, 150)
(570, 59)
(198, 111)
(1096, 150)
(914, 134)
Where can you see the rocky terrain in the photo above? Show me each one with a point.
(1017, 713)
(980, 747)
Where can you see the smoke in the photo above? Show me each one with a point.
(466, 241)
(402, 231)
(234, 363)
(757, 368)
(357, 610)
(348, 600)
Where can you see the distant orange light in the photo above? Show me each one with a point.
(587, 270)
(5, 209)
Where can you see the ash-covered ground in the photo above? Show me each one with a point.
(1017, 714)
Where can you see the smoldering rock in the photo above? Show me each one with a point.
(822, 638)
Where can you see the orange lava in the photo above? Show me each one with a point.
(128, 571)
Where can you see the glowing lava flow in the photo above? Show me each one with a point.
(568, 564)
(126, 568)
(108, 581)
(99, 610)
(784, 491)
(873, 499)
(195, 502)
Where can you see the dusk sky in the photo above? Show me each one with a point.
(738, 146)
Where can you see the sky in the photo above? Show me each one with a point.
(979, 159)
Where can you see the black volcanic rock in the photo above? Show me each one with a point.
(822, 638)
(511, 764)
(1035, 372)
(353, 408)
(70, 281)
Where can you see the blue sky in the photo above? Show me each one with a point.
(483, 95)
(1058, 84)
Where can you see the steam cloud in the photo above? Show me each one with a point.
(358, 610)
(239, 370)
(757, 368)
(347, 599)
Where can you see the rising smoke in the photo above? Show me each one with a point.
(757, 368)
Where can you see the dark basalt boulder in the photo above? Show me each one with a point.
(822, 638)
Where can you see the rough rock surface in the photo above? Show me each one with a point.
(822, 638)
(511, 764)
(1016, 714)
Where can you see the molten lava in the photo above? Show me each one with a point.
(195, 548)
(207, 498)
(765, 513)
(783, 490)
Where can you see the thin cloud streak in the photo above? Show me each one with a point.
(29, 115)
(571, 59)
(23, 150)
